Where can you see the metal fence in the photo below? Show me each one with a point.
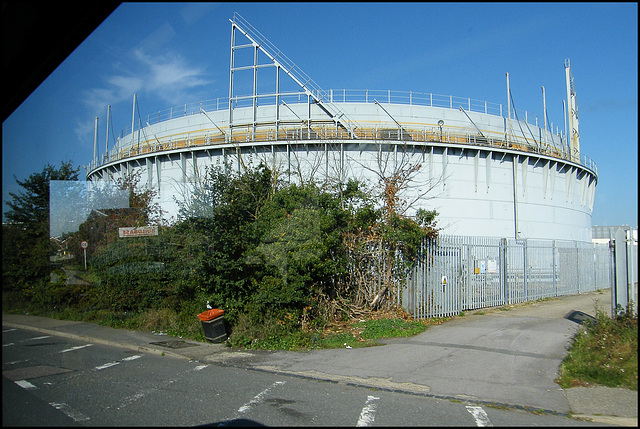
(465, 273)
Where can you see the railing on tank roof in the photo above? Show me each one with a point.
(347, 96)
(411, 98)
(267, 132)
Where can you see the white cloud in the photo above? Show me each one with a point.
(167, 76)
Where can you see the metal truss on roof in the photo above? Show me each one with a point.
(259, 43)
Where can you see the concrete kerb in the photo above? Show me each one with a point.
(93, 339)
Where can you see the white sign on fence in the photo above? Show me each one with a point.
(143, 231)
(492, 266)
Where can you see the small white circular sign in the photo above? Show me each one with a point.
(84, 244)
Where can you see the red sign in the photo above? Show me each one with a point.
(143, 231)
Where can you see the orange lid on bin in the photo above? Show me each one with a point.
(210, 314)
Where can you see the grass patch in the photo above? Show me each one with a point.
(352, 334)
(604, 352)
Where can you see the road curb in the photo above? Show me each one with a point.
(132, 347)
(608, 420)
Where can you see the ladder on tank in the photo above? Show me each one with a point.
(319, 96)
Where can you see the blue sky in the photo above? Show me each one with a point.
(176, 53)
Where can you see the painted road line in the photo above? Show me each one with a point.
(130, 358)
(118, 362)
(480, 416)
(75, 415)
(35, 338)
(130, 399)
(9, 330)
(133, 398)
(368, 413)
(17, 361)
(107, 365)
(258, 398)
(25, 384)
(8, 344)
(75, 348)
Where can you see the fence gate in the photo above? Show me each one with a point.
(434, 286)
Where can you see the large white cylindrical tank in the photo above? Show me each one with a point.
(484, 174)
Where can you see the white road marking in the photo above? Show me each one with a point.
(9, 330)
(368, 413)
(107, 365)
(17, 361)
(134, 357)
(25, 384)
(35, 338)
(75, 415)
(258, 398)
(133, 398)
(130, 399)
(480, 416)
(118, 362)
(8, 344)
(75, 348)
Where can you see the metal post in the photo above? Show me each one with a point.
(502, 256)
(106, 148)
(553, 262)
(133, 119)
(578, 267)
(515, 159)
(95, 143)
(230, 124)
(508, 110)
(525, 272)
(544, 112)
(255, 92)
(277, 100)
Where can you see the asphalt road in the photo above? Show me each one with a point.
(54, 381)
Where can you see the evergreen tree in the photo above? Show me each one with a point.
(25, 237)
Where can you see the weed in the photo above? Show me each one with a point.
(603, 352)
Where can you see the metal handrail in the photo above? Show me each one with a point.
(267, 132)
(411, 98)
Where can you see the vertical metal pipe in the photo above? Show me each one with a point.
(515, 159)
(564, 114)
(544, 112)
(133, 119)
(277, 100)
(230, 124)
(255, 91)
(95, 143)
(106, 148)
(508, 110)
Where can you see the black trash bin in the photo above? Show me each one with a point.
(213, 325)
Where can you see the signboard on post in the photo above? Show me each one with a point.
(143, 231)
(84, 246)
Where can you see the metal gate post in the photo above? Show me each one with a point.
(525, 271)
(620, 289)
(553, 262)
(503, 270)
(578, 267)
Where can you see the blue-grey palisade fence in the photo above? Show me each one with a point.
(457, 273)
